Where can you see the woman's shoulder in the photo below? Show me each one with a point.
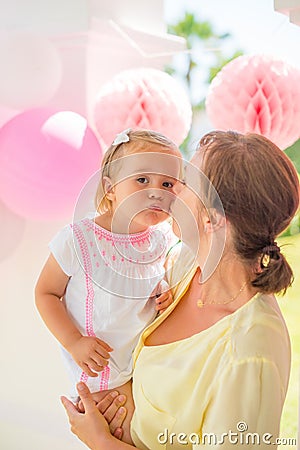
(258, 330)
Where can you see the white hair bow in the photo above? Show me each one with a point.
(122, 137)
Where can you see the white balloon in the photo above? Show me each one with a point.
(12, 230)
(31, 70)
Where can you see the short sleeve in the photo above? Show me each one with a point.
(63, 249)
(246, 404)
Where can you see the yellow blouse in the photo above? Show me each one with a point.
(221, 388)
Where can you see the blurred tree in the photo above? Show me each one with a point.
(205, 57)
(293, 153)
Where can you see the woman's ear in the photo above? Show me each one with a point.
(214, 221)
(108, 188)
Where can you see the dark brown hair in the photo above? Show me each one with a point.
(259, 190)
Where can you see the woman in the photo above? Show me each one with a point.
(213, 370)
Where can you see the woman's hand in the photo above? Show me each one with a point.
(91, 427)
(111, 406)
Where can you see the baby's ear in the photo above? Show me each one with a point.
(108, 188)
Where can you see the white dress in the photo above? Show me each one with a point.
(111, 279)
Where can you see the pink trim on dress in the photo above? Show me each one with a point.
(116, 237)
(89, 301)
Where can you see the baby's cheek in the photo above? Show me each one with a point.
(171, 197)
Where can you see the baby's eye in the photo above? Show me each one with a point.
(142, 180)
(168, 184)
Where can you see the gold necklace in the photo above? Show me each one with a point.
(200, 302)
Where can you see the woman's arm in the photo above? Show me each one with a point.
(91, 427)
(89, 352)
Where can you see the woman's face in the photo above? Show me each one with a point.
(186, 208)
(199, 226)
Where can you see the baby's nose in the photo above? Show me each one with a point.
(155, 194)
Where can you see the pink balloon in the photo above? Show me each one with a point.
(7, 114)
(142, 98)
(46, 157)
(257, 94)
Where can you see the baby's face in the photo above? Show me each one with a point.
(144, 187)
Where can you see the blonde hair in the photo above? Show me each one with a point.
(138, 139)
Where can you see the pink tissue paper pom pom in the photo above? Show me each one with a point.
(142, 98)
(257, 94)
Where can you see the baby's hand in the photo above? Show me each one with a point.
(165, 298)
(91, 354)
(163, 301)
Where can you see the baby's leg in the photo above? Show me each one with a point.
(125, 389)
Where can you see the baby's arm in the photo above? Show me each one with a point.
(89, 352)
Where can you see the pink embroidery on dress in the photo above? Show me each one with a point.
(104, 378)
(100, 232)
(84, 377)
(89, 301)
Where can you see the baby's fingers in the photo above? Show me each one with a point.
(98, 360)
(95, 366)
(162, 297)
(100, 352)
(86, 368)
(105, 346)
(163, 301)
